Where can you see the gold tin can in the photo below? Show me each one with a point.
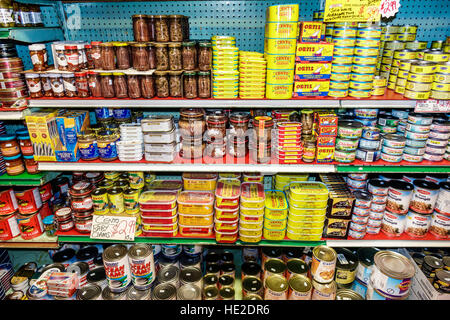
(115, 197)
(300, 288)
(418, 86)
(416, 95)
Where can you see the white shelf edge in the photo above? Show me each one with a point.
(181, 103)
(14, 115)
(388, 243)
(175, 167)
(378, 103)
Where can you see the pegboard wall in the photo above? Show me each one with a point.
(111, 21)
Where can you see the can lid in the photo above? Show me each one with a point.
(114, 252)
(210, 291)
(96, 275)
(394, 264)
(348, 294)
(164, 291)
(277, 283)
(89, 292)
(188, 292)
(300, 283)
(227, 293)
(251, 284)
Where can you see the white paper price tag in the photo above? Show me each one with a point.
(388, 8)
(113, 227)
(431, 105)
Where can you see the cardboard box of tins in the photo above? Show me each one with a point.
(336, 228)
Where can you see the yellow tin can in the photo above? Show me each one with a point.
(416, 45)
(286, 30)
(341, 68)
(388, 37)
(363, 68)
(391, 85)
(337, 76)
(417, 95)
(442, 77)
(343, 85)
(275, 224)
(394, 45)
(399, 89)
(342, 59)
(116, 203)
(440, 95)
(359, 93)
(284, 12)
(344, 42)
(436, 56)
(280, 46)
(338, 93)
(274, 234)
(392, 78)
(371, 60)
(369, 33)
(361, 85)
(405, 37)
(417, 77)
(280, 76)
(436, 86)
(407, 28)
(365, 51)
(100, 201)
(378, 91)
(405, 54)
(368, 42)
(423, 67)
(387, 60)
(394, 70)
(343, 51)
(401, 82)
(280, 61)
(250, 239)
(279, 91)
(379, 81)
(418, 86)
(344, 32)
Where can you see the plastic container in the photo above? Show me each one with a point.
(196, 231)
(199, 181)
(226, 226)
(195, 202)
(226, 214)
(227, 193)
(276, 235)
(226, 237)
(158, 213)
(252, 195)
(158, 200)
(310, 191)
(196, 219)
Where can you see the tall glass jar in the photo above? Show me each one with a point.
(57, 85)
(151, 56)
(162, 84)
(108, 56)
(190, 84)
(90, 60)
(162, 57)
(81, 82)
(134, 88)
(120, 85)
(122, 55)
(204, 56)
(94, 84)
(204, 84)
(189, 55)
(60, 57)
(96, 53)
(107, 85)
(151, 28)
(70, 88)
(140, 28)
(175, 84)
(147, 86)
(307, 119)
(162, 28)
(140, 56)
(175, 60)
(176, 27)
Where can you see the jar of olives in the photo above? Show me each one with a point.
(162, 28)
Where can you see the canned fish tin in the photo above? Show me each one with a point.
(348, 294)
(336, 76)
(288, 12)
(89, 292)
(418, 86)
(142, 266)
(346, 265)
(274, 266)
(399, 196)
(393, 224)
(364, 77)
(378, 187)
(344, 51)
(296, 266)
(424, 197)
(191, 275)
(413, 151)
(323, 264)
(440, 225)
(276, 288)
(341, 68)
(405, 54)
(344, 42)
(117, 269)
(169, 274)
(342, 60)
(435, 56)
(443, 200)
(346, 144)
(359, 68)
(341, 85)
(300, 288)
(440, 95)
(323, 291)
(392, 273)
(350, 129)
(252, 285)
(359, 93)
(391, 151)
(338, 93)
(361, 85)
(393, 141)
(356, 234)
(442, 78)
(344, 156)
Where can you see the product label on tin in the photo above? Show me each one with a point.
(388, 285)
(142, 271)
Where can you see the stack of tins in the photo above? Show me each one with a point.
(441, 85)
(196, 204)
(225, 67)
(23, 211)
(370, 142)
(252, 75)
(417, 131)
(251, 218)
(307, 209)
(344, 40)
(348, 136)
(364, 61)
(275, 215)
(124, 267)
(226, 220)
(280, 37)
(401, 66)
(288, 139)
(13, 91)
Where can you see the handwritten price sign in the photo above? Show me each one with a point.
(388, 8)
(113, 227)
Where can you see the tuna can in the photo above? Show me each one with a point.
(362, 77)
(350, 129)
(296, 266)
(116, 203)
(387, 120)
(189, 292)
(358, 176)
(362, 199)
(108, 294)
(387, 129)
(360, 220)
(100, 201)
(117, 269)
(210, 293)
(191, 275)
(393, 224)
(251, 285)
(414, 151)
(356, 234)
(164, 291)
(442, 281)
(367, 155)
(269, 252)
(227, 293)
(323, 291)
(399, 196)
(440, 95)
(412, 158)
(250, 269)
(370, 133)
(344, 156)
(276, 288)
(369, 144)
(356, 184)
(443, 199)
(90, 292)
(430, 265)
(87, 254)
(142, 266)
(392, 273)
(169, 274)
(9, 228)
(417, 95)
(392, 151)
(424, 197)
(415, 143)
(393, 141)
(323, 264)
(136, 294)
(210, 280)
(300, 288)
(338, 76)
(417, 225)
(348, 294)
(225, 280)
(338, 93)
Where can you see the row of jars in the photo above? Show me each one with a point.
(175, 56)
(160, 28)
(16, 14)
(162, 84)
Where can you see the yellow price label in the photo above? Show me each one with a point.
(352, 10)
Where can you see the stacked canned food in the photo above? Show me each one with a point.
(441, 85)
(370, 142)
(227, 203)
(130, 146)
(307, 207)
(279, 49)
(191, 127)
(160, 138)
(21, 15)
(251, 212)
(288, 139)
(225, 67)
(275, 215)
(13, 89)
(17, 153)
(347, 141)
(252, 75)
(416, 134)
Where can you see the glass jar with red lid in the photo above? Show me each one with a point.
(239, 123)
(64, 219)
(216, 125)
(72, 57)
(80, 195)
(26, 147)
(81, 82)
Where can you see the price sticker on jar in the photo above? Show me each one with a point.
(113, 227)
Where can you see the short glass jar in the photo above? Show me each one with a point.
(31, 165)
(38, 55)
(96, 53)
(9, 146)
(192, 148)
(72, 57)
(216, 127)
(122, 55)
(34, 85)
(140, 28)
(204, 84)
(176, 27)
(81, 82)
(204, 56)
(26, 146)
(175, 59)
(190, 84)
(134, 88)
(14, 165)
(57, 85)
(87, 145)
(120, 85)
(162, 84)
(70, 88)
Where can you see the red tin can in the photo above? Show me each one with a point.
(30, 225)
(45, 210)
(29, 200)
(9, 228)
(8, 202)
(46, 191)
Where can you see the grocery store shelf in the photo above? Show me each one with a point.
(381, 166)
(26, 179)
(182, 103)
(41, 242)
(388, 243)
(14, 115)
(184, 167)
(375, 103)
(32, 35)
